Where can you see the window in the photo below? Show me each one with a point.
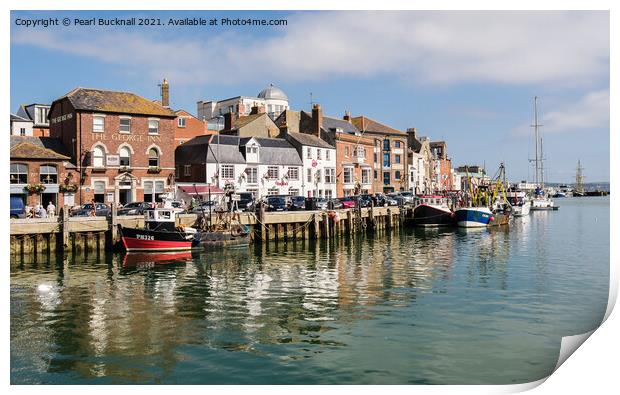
(125, 156)
(309, 153)
(386, 178)
(386, 145)
(181, 122)
(41, 115)
(365, 176)
(228, 172)
(386, 160)
(19, 173)
(346, 151)
(187, 170)
(360, 152)
(318, 153)
(327, 154)
(397, 159)
(177, 171)
(153, 126)
(159, 190)
(48, 174)
(396, 144)
(98, 157)
(252, 175)
(309, 175)
(99, 191)
(397, 175)
(376, 175)
(293, 191)
(328, 194)
(22, 131)
(153, 157)
(375, 157)
(330, 176)
(347, 175)
(253, 191)
(125, 125)
(317, 176)
(98, 123)
(153, 191)
(273, 191)
(293, 173)
(272, 172)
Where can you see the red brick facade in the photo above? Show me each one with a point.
(114, 160)
(356, 162)
(187, 127)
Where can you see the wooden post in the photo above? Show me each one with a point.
(113, 221)
(388, 218)
(316, 230)
(262, 225)
(64, 213)
(349, 223)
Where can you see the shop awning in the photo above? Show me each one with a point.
(200, 189)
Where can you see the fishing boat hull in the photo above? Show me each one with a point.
(473, 217)
(426, 215)
(151, 240)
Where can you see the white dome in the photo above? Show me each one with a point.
(272, 92)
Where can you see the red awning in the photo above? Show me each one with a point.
(200, 189)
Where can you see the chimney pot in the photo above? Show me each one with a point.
(317, 120)
(347, 116)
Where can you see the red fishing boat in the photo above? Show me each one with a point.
(160, 233)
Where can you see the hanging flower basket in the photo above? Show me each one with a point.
(154, 169)
(34, 188)
(67, 188)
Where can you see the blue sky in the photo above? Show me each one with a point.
(468, 77)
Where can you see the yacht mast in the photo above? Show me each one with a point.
(538, 141)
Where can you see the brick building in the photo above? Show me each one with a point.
(121, 144)
(38, 114)
(353, 150)
(443, 166)
(389, 156)
(40, 171)
(187, 127)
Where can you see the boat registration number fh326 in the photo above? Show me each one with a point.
(145, 237)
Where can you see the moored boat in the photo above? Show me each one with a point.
(474, 217)
(432, 211)
(519, 202)
(160, 233)
(540, 201)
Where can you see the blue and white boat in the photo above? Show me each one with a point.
(473, 217)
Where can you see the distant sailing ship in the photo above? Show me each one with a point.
(579, 190)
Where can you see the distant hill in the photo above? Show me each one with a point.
(588, 186)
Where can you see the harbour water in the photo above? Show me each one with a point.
(450, 306)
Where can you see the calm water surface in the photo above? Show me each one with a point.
(421, 307)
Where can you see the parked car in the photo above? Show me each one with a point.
(246, 201)
(204, 207)
(85, 210)
(378, 199)
(135, 208)
(17, 207)
(390, 201)
(276, 203)
(334, 204)
(365, 200)
(399, 200)
(407, 196)
(321, 203)
(298, 203)
(347, 202)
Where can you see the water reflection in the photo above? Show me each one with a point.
(144, 318)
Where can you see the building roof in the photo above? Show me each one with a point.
(308, 140)
(332, 124)
(272, 92)
(17, 118)
(366, 124)
(231, 150)
(28, 147)
(114, 102)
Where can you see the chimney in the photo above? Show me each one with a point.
(165, 94)
(411, 136)
(256, 109)
(317, 120)
(347, 116)
(228, 121)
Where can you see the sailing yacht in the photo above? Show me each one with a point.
(541, 200)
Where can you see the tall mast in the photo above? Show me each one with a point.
(579, 178)
(538, 141)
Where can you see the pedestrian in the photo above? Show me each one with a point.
(93, 210)
(51, 210)
(41, 213)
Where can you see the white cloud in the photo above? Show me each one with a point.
(589, 113)
(423, 46)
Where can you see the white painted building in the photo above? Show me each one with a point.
(263, 166)
(417, 172)
(21, 126)
(272, 99)
(319, 165)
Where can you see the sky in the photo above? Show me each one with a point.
(465, 77)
